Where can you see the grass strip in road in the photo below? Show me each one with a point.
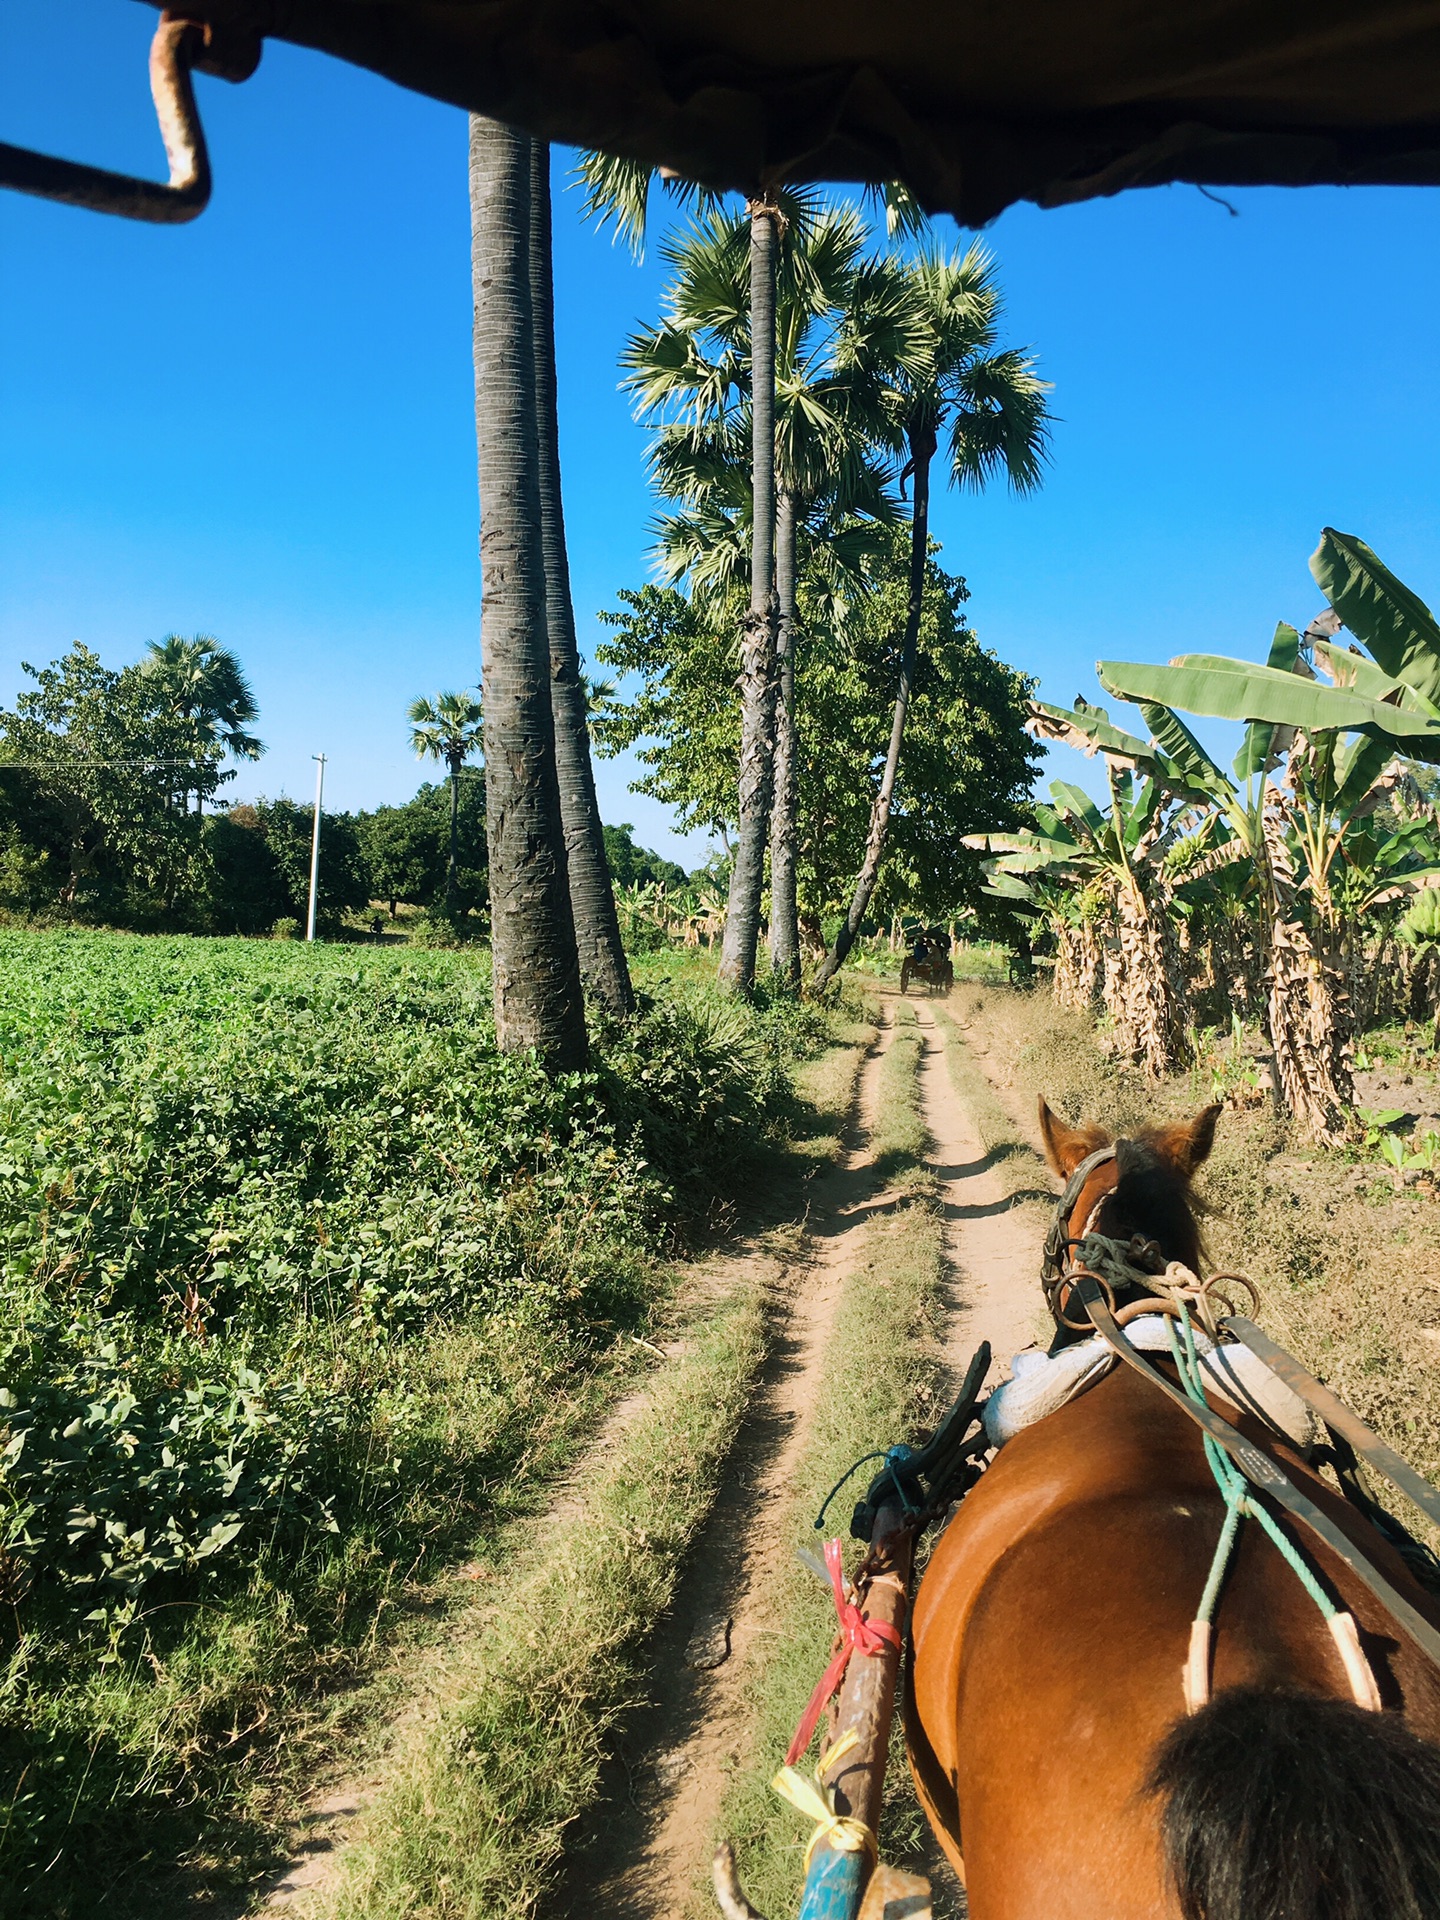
(474, 1815)
(879, 1383)
(899, 1140)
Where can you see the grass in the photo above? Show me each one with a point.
(382, 1278)
(1346, 1266)
(475, 1813)
(879, 1384)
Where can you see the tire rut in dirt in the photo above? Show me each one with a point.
(642, 1849)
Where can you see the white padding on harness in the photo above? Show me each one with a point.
(1043, 1383)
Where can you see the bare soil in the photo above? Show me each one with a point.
(992, 1249)
(640, 1849)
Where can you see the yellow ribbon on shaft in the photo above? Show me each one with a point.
(817, 1802)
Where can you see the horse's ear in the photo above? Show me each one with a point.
(1065, 1147)
(1187, 1144)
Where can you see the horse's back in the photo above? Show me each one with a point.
(1051, 1629)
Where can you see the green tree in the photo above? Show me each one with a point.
(691, 375)
(344, 879)
(448, 729)
(96, 757)
(633, 865)
(990, 406)
(407, 847)
(248, 891)
(619, 190)
(970, 764)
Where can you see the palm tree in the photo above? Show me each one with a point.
(592, 895)
(691, 375)
(991, 406)
(620, 190)
(203, 683)
(447, 729)
(539, 1004)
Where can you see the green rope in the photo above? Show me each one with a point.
(1234, 1488)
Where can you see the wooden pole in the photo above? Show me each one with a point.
(835, 1884)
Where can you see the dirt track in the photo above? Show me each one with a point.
(643, 1848)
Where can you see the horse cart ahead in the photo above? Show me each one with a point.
(931, 966)
(1170, 1657)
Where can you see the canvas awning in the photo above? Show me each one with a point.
(975, 103)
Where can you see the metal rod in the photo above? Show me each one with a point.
(1334, 1412)
(178, 46)
(319, 760)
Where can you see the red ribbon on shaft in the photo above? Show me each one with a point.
(857, 1635)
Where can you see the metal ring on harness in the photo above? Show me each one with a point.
(1064, 1290)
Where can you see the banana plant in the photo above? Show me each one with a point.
(1336, 743)
(1115, 859)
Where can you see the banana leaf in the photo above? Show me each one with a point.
(1381, 611)
(1358, 765)
(1238, 690)
(1086, 728)
(1395, 887)
(1012, 845)
(1264, 743)
(1004, 886)
(1354, 671)
(1196, 771)
(1074, 800)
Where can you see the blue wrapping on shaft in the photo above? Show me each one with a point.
(833, 1885)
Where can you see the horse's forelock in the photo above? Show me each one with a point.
(1152, 1197)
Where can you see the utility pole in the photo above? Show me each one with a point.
(319, 760)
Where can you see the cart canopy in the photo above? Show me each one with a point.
(974, 103)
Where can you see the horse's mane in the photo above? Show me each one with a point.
(1152, 1197)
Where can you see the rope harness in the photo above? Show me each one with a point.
(1093, 1270)
(1241, 1504)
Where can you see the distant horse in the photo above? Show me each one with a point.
(1047, 1726)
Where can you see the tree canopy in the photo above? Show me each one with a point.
(968, 765)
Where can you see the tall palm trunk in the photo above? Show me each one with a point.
(757, 631)
(922, 452)
(785, 808)
(592, 896)
(450, 866)
(538, 1001)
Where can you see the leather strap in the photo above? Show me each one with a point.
(1058, 1238)
(1334, 1412)
(1263, 1472)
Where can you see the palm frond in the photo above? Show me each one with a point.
(617, 191)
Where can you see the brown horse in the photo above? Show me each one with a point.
(1046, 1723)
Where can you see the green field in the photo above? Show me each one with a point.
(305, 1286)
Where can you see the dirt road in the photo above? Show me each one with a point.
(641, 1852)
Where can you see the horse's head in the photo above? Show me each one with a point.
(1135, 1187)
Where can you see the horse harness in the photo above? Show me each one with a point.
(1089, 1270)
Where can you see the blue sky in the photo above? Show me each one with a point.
(261, 425)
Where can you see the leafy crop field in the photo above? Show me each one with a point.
(304, 1283)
